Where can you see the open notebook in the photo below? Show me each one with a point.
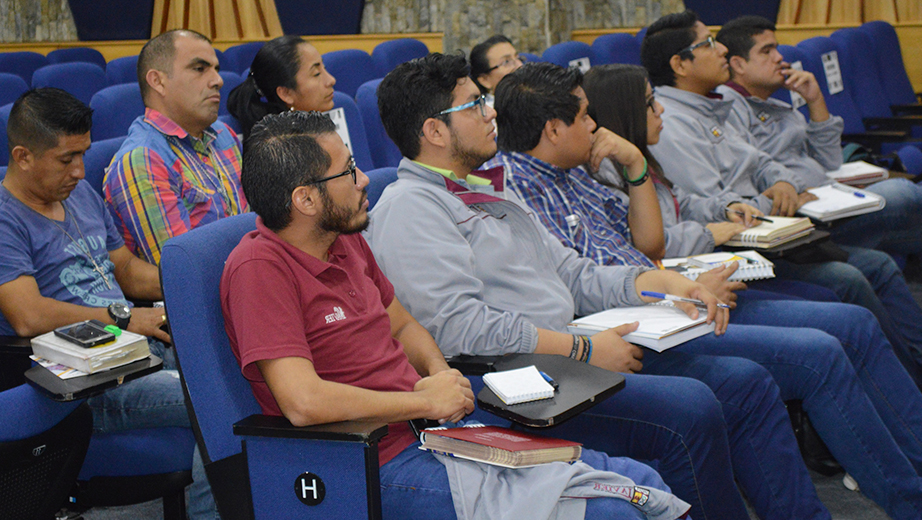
(770, 234)
(752, 265)
(839, 201)
(662, 325)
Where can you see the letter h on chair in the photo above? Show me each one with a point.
(258, 466)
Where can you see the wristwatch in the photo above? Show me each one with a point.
(121, 314)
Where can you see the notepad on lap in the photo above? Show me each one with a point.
(770, 234)
(662, 325)
(520, 385)
(839, 201)
(498, 446)
(858, 173)
(752, 265)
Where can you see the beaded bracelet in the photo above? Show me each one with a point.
(639, 180)
(589, 356)
(575, 347)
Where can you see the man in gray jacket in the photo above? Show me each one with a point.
(477, 270)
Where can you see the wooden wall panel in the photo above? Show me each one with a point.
(219, 19)
(880, 10)
(846, 11)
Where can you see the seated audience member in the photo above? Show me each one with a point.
(64, 261)
(540, 109)
(178, 168)
(368, 359)
(288, 73)
(490, 61)
(810, 149)
(711, 166)
(484, 278)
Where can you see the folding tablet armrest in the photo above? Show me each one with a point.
(903, 123)
(875, 138)
(912, 109)
(473, 365)
(332, 464)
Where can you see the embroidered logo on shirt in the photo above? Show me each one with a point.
(763, 117)
(338, 315)
(716, 131)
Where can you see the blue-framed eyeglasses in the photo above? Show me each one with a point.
(710, 41)
(481, 102)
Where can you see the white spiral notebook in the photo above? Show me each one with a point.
(752, 265)
(770, 234)
(839, 201)
(520, 385)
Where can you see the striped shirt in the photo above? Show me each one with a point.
(163, 182)
(580, 212)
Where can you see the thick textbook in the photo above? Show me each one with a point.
(752, 265)
(128, 347)
(837, 201)
(770, 234)
(499, 446)
(858, 173)
(662, 325)
(519, 385)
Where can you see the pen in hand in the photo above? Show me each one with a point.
(674, 298)
(740, 213)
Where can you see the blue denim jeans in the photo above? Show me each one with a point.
(872, 280)
(414, 484)
(897, 228)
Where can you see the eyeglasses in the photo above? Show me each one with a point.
(651, 102)
(710, 41)
(508, 62)
(481, 102)
(350, 170)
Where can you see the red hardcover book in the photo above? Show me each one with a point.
(499, 446)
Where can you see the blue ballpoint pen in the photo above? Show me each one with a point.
(674, 298)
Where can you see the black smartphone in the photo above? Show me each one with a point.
(86, 334)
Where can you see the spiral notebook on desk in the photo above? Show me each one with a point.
(519, 385)
(752, 265)
(770, 234)
(837, 201)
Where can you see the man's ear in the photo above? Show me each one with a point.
(23, 157)
(435, 131)
(551, 130)
(155, 79)
(285, 94)
(306, 200)
(737, 65)
(678, 65)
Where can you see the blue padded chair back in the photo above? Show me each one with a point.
(239, 57)
(616, 48)
(4, 119)
(232, 122)
(351, 68)
(222, 61)
(389, 54)
(841, 103)
(377, 181)
(2, 173)
(890, 62)
(528, 57)
(641, 34)
(79, 78)
(565, 52)
(860, 72)
(97, 160)
(122, 70)
(383, 151)
(23, 63)
(357, 134)
(11, 87)
(36, 413)
(190, 271)
(231, 80)
(910, 156)
(84, 54)
(115, 107)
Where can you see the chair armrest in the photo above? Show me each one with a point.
(904, 123)
(273, 426)
(15, 345)
(473, 365)
(873, 139)
(911, 109)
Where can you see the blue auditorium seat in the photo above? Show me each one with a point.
(239, 57)
(4, 119)
(616, 48)
(85, 54)
(565, 52)
(114, 108)
(383, 151)
(351, 68)
(97, 159)
(22, 63)
(357, 135)
(231, 80)
(80, 78)
(388, 54)
(378, 180)
(122, 70)
(11, 87)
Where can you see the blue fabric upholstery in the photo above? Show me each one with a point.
(911, 157)
(530, 58)
(890, 62)
(22, 63)
(383, 151)
(565, 52)
(114, 108)
(377, 181)
(357, 134)
(97, 159)
(351, 68)
(861, 72)
(4, 119)
(840, 104)
(79, 78)
(616, 48)
(231, 80)
(122, 70)
(389, 54)
(27, 413)
(11, 87)
(85, 54)
(132, 453)
(239, 57)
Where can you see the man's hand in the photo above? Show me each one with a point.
(611, 352)
(147, 321)
(805, 197)
(747, 217)
(802, 82)
(724, 231)
(670, 282)
(785, 201)
(449, 395)
(716, 282)
(607, 144)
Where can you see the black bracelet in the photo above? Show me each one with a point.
(575, 347)
(639, 180)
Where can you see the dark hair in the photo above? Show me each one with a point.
(415, 91)
(736, 35)
(479, 63)
(158, 54)
(617, 101)
(275, 65)
(665, 38)
(529, 97)
(41, 116)
(281, 153)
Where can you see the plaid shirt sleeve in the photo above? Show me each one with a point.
(142, 194)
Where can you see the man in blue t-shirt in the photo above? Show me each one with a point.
(64, 260)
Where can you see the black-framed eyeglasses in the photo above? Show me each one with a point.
(651, 101)
(710, 41)
(508, 62)
(481, 102)
(350, 170)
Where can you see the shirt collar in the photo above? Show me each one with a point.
(313, 265)
(167, 126)
(739, 88)
(474, 180)
(538, 165)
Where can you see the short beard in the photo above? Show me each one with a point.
(469, 158)
(337, 219)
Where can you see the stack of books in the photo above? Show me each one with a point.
(770, 234)
(498, 446)
(127, 348)
(662, 325)
(858, 173)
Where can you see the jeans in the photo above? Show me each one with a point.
(414, 484)
(155, 401)
(897, 228)
(872, 280)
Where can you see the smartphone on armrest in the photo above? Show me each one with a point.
(86, 334)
